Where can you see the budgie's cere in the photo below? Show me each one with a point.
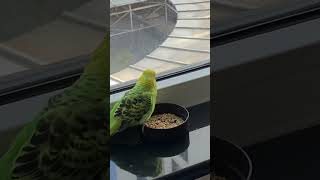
(137, 105)
(68, 139)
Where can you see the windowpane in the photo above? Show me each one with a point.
(165, 35)
(35, 34)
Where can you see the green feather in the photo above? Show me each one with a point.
(68, 139)
(136, 106)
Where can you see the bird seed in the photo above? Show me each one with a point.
(164, 121)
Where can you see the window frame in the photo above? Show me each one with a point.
(44, 79)
(259, 21)
(175, 82)
(162, 76)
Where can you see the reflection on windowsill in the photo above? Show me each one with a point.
(146, 161)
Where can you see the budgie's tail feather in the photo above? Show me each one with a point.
(8, 158)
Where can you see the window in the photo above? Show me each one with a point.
(168, 36)
(42, 41)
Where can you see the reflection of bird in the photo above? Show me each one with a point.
(136, 106)
(137, 160)
(146, 159)
(68, 139)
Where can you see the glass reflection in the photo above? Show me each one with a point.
(132, 161)
(137, 161)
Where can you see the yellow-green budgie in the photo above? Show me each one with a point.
(68, 139)
(137, 105)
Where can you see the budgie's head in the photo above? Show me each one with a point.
(149, 74)
(147, 79)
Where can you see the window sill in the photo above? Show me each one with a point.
(193, 85)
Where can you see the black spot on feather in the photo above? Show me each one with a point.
(25, 169)
(29, 148)
(55, 166)
(38, 175)
(27, 157)
(39, 138)
(43, 126)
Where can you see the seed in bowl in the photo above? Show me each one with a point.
(164, 121)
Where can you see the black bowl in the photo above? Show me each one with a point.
(230, 161)
(172, 134)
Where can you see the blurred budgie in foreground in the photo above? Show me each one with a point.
(68, 139)
(136, 106)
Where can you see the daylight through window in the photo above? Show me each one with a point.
(163, 35)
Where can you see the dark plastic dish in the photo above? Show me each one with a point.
(171, 134)
(230, 161)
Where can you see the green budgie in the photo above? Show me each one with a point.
(136, 106)
(68, 139)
